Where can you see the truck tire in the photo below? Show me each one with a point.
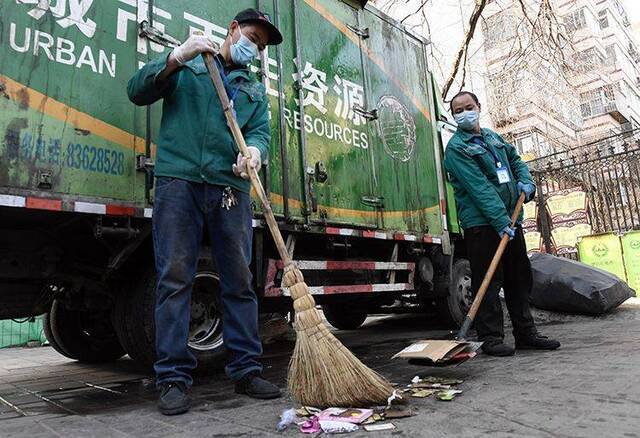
(48, 333)
(86, 336)
(453, 308)
(344, 317)
(134, 320)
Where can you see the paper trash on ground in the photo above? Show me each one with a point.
(355, 416)
(423, 393)
(378, 427)
(398, 412)
(448, 395)
(329, 426)
(439, 351)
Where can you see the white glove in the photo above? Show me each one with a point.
(240, 168)
(195, 45)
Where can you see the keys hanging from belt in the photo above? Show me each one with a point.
(229, 199)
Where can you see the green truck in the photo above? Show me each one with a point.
(354, 173)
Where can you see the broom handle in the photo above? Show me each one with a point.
(468, 320)
(214, 73)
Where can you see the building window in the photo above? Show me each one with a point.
(603, 19)
(497, 29)
(575, 20)
(588, 60)
(612, 57)
(596, 102)
(524, 144)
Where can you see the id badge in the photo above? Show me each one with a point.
(503, 175)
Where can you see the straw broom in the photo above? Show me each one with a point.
(322, 372)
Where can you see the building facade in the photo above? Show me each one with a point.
(562, 77)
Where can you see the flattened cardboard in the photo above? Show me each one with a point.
(433, 350)
(439, 351)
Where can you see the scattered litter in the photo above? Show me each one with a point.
(441, 380)
(425, 385)
(395, 396)
(422, 393)
(379, 427)
(307, 411)
(437, 352)
(448, 395)
(355, 416)
(287, 418)
(346, 420)
(310, 426)
(369, 420)
(330, 426)
(398, 412)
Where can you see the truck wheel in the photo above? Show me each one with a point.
(344, 317)
(135, 325)
(48, 333)
(86, 336)
(453, 308)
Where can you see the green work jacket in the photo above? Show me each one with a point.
(480, 198)
(194, 142)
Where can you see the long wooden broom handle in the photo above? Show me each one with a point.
(490, 273)
(214, 74)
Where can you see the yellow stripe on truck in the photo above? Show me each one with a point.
(35, 100)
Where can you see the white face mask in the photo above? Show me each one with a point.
(244, 51)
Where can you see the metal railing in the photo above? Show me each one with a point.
(608, 170)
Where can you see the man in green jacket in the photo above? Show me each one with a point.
(201, 179)
(488, 176)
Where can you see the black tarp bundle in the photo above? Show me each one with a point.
(564, 285)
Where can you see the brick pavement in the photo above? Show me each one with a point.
(588, 388)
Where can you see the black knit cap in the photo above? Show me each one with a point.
(254, 16)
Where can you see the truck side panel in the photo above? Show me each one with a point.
(67, 125)
(69, 128)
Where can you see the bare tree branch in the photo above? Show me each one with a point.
(473, 21)
(422, 5)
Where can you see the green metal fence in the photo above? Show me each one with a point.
(15, 333)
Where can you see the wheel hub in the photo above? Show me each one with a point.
(205, 325)
(465, 291)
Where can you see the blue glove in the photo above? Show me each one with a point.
(529, 190)
(508, 231)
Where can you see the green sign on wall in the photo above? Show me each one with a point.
(603, 251)
(631, 249)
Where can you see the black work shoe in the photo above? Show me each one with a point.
(497, 348)
(536, 341)
(253, 385)
(173, 399)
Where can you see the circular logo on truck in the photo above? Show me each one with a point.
(396, 128)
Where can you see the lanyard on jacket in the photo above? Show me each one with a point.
(480, 142)
(225, 79)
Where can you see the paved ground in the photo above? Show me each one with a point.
(589, 388)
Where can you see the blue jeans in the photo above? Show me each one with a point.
(179, 214)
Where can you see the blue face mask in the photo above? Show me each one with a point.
(467, 120)
(244, 51)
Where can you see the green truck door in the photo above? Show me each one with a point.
(336, 143)
(67, 124)
(405, 174)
